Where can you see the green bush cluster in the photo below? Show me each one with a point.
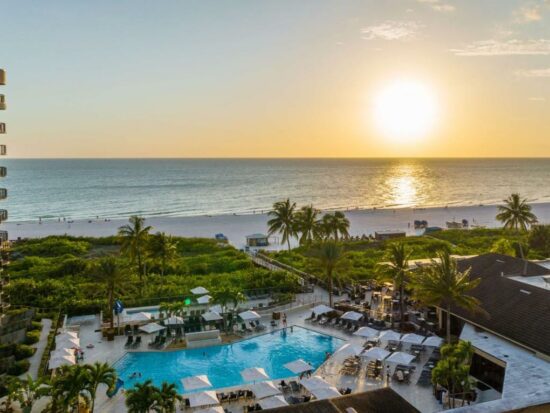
(20, 367)
(23, 351)
(32, 337)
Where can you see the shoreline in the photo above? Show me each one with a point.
(236, 227)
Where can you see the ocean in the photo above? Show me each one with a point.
(118, 188)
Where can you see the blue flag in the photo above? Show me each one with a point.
(118, 307)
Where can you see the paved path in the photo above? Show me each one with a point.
(40, 347)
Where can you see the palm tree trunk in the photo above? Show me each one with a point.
(288, 243)
(112, 316)
(330, 286)
(448, 324)
(401, 306)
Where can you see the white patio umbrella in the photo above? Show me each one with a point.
(57, 362)
(264, 389)
(315, 382)
(253, 374)
(60, 352)
(352, 316)
(205, 299)
(400, 358)
(390, 335)
(139, 317)
(216, 308)
(367, 332)
(151, 328)
(322, 309)
(67, 342)
(196, 382)
(325, 393)
(376, 353)
(173, 320)
(199, 291)
(72, 334)
(412, 338)
(211, 316)
(298, 366)
(249, 315)
(212, 409)
(349, 349)
(273, 402)
(433, 341)
(203, 398)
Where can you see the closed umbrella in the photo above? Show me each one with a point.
(400, 358)
(254, 373)
(249, 315)
(203, 398)
(366, 332)
(199, 291)
(196, 382)
(273, 402)
(152, 328)
(390, 335)
(325, 393)
(376, 353)
(433, 341)
(412, 338)
(322, 309)
(315, 382)
(264, 389)
(298, 366)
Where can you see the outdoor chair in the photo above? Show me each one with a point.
(294, 386)
(137, 343)
(129, 341)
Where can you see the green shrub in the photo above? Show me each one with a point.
(20, 367)
(32, 337)
(35, 326)
(23, 351)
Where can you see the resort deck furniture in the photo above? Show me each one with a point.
(196, 382)
(295, 386)
(129, 341)
(137, 343)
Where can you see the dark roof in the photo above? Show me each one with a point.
(515, 310)
(383, 400)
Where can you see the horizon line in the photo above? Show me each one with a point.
(281, 158)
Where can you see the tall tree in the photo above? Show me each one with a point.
(30, 391)
(442, 284)
(143, 397)
(283, 220)
(70, 388)
(162, 249)
(335, 225)
(329, 255)
(516, 213)
(397, 269)
(225, 296)
(99, 373)
(306, 224)
(134, 241)
(168, 397)
(113, 276)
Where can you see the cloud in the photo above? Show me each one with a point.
(527, 14)
(391, 30)
(512, 47)
(438, 5)
(533, 72)
(537, 99)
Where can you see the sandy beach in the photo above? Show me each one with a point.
(236, 227)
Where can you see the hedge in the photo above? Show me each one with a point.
(32, 337)
(20, 367)
(22, 351)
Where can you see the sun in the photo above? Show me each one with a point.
(405, 111)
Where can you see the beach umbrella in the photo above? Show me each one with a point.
(349, 349)
(390, 335)
(57, 362)
(298, 366)
(212, 316)
(352, 316)
(249, 315)
(67, 342)
(152, 328)
(203, 398)
(173, 320)
(196, 382)
(211, 409)
(366, 332)
(199, 291)
(326, 393)
(376, 353)
(254, 373)
(400, 358)
(273, 402)
(139, 317)
(60, 352)
(433, 341)
(315, 382)
(205, 299)
(264, 389)
(412, 338)
(322, 309)
(216, 308)
(68, 334)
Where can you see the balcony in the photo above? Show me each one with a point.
(2, 77)
(2, 128)
(3, 236)
(3, 150)
(2, 102)
(3, 193)
(3, 171)
(3, 215)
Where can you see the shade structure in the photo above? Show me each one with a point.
(199, 291)
(72, 334)
(60, 352)
(367, 332)
(264, 389)
(273, 402)
(140, 317)
(253, 374)
(67, 342)
(212, 409)
(203, 398)
(195, 382)
(212, 316)
(216, 308)
(376, 353)
(325, 393)
(315, 382)
(298, 366)
(400, 358)
(249, 315)
(59, 361)
(173, 320)
(412, 338)
(352, 316)
(349, 349)
(205, 299)
(390, 335)
(433, 341)
(152, 328)
(322, 309)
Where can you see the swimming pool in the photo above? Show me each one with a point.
(223, 364)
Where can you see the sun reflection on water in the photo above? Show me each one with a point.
(403, 184)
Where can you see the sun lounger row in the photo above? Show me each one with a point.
(158, 343)
(130, 343)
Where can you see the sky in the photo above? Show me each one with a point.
(272, 78)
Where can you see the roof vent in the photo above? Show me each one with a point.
(525, 292)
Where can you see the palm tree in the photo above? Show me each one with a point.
(113, 275)
(283, 220)
(397, 268)
(516, 213)
(134, 239)
(442, 284)
(70, 388)
(227, 295)
(307, 224)
(99, 373)
(30, 391)
(168, 398)
(143, 397)
(162, 249)
(335, 225)
(329, 255)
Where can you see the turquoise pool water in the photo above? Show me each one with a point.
(223, 364)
